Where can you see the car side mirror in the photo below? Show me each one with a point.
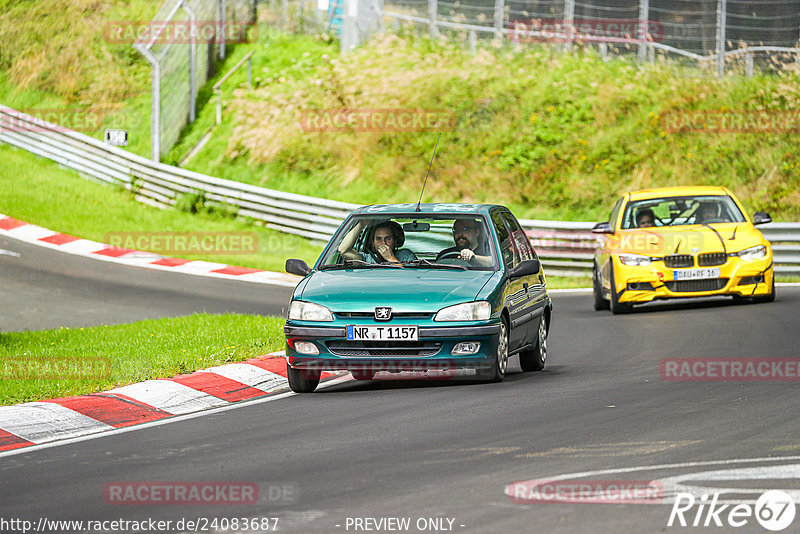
(760, 217)
(602, 228)
(525, 268)
(298, 267)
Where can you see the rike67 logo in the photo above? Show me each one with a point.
(774, 510)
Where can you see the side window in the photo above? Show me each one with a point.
(505, 241)
(612, 219)
(519, 240)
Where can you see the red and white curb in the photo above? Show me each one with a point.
(36, 423)
(37, 235)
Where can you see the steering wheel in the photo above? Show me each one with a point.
(450, 255)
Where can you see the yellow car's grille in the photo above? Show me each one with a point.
(690, 286)
(676, 261)
(712, 258)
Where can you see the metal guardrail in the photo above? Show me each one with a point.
(566, 248)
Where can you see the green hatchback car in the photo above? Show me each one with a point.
(419, 287)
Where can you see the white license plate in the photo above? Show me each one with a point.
(697, 274)
(383, 333)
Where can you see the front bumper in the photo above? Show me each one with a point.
(743, 278)
(433, 350)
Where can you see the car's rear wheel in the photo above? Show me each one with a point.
(534, 360)
(302, 380)
(597, 289)
(616, 306)
(500, 365)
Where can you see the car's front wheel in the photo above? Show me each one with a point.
(302, 380)
(534, 360)
(616, 306)
(597, 289)
(500, 365)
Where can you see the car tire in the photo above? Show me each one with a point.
(535, 359)
(302, 380)
(500, 365)
(364, 374)
(597, 289)
(616, 306)
(769, 297)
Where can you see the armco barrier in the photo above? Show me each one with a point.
(565, 247)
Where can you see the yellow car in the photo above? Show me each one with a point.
(677, 242)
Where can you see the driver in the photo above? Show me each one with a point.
(709, 211)
(381, 244)
(469, 240)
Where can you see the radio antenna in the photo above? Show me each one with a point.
(428, 172)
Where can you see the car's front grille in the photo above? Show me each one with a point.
(710, 259)
(676, 261)
(395, 315)
(690, 286)
(385, 349)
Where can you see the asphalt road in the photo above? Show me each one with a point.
(438, 450)
(44, 288)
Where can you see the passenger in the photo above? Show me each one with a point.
(645, 218)
(471, 245)
(381, 244)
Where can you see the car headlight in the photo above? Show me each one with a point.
(636, 260)
(752, 253)
(306, 311)
(469, 311)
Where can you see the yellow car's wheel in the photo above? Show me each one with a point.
(597, 290)
(617, 307)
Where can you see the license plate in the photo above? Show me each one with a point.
(382, 333)
(697, 274)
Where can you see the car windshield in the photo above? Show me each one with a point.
(678, 211)
(430, 242)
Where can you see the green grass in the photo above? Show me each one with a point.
(37, 191)
(553, 136)
(135, 352)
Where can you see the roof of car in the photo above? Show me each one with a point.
(679, 191)
(427, 208)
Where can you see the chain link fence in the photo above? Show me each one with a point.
(184, 43)
(718, 33)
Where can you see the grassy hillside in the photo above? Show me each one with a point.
(552, 135)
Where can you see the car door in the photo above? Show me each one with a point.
(514, 295)
(534, 284)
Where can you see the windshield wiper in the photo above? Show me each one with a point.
(348, 264)
(427, 263)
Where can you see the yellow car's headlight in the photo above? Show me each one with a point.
(752, 253)
(635, 260)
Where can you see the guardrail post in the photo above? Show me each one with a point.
(603, 47)
(473, 41)
(285, 15)
(644, 17)
(748, 65)
(499, 9)
(569, 22)
(722, 10)
(433, 8)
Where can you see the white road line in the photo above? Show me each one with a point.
(4, 252)
(170, 396)
(169, 420)
(40, 422)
